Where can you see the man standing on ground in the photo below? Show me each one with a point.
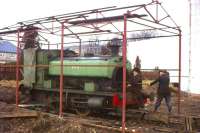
(163, 90)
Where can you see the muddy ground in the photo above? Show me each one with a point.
(43, 123)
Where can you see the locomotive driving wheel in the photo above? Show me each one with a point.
(25, 94)
(82, 111)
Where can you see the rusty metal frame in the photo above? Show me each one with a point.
(124, 75)
(94, 26)
(17, 69)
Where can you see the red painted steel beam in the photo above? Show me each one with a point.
(160, 24)
(124, 76)
(52, 25)
(19, 30)
(80, 47)
(154, 28)
(106, 19)
(89, 32)
(190, 43)
(111, 23)
(179, 78)
(73, 14)
(169, 16)
(61, 71)
(17, 70)
(150, 14)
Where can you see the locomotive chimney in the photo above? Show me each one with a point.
(114, 46)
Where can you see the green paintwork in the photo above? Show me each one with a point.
(89, 87)
(48, 84)
(42, 79)
(29, 67)
(40, 76)
(41, 73)
(99, 68)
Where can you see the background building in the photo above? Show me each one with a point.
(7, 52)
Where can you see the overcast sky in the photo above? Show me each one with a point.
(13, 11)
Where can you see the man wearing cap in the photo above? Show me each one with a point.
(163, 90)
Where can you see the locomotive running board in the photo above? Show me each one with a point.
(30, 105)
(71, 90)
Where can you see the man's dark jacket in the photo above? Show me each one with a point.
(163, 88)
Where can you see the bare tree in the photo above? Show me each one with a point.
(143, 35)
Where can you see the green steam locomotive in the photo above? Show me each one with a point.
(90, 82)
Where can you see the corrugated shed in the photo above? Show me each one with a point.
(7, 47)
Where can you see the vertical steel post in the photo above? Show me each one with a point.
(190, 43)
(61, 71)
(156, 11)
(124, 77)
(179, 76)
(79, 47)
(48, 47)
(17, 70)
(52, 31)
(52, 26)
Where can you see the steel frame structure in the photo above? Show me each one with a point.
(106, 22)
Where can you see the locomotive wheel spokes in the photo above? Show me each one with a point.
(82, 111)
